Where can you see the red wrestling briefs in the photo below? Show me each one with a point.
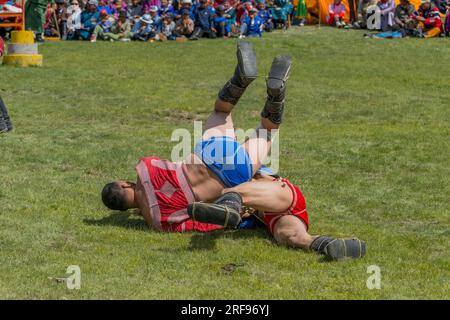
(296, 209)
(168, 193)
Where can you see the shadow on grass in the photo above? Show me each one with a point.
(119, 219)
(207, 241)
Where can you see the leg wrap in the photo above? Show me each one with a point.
(338, 249)
(231, 93)
(273, 110)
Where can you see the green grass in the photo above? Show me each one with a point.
(366, 135)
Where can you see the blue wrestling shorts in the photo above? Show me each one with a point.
(226, 158)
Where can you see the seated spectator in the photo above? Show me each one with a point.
(361, 13)
(56, 20)
(73, 20)
(156, 19)
(88, 19)
(280, 11)
(441, 5)
(265, 15)
(103, 29)
(142, 30)
(403, 14)
(336, 13)
(186, 5)
(103, 5)
(251, 25)
(429, 18)
(167, 28)
(115, 6)
(148, 4)
(387, 8)
(230, 14)
(135, 10)
(122, 27)
(184, 26)
(166, 8)
(204, 22)
(221, 23)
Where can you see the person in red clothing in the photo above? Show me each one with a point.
(429, 18)
(2, 47)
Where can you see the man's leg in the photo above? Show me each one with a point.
(258, 146)
(220, 122)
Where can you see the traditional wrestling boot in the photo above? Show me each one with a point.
(276, 89)
(5, 121)
(338, 249)
(225, 211)
(246, 71)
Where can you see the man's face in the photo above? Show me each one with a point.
(252, 14)
(92, 7)
(426, 5)
(153, 13)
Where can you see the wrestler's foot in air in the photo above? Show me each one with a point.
(246, 71)
(338, 249)
(276, 89)
(224, 212)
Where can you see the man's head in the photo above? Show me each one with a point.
(153, 11)
(119, 195)
(186, 4)
(203, 3)
(252, 12)
(122, 15)
(92, 5)
(425, 4)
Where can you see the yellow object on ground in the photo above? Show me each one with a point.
(22, 51)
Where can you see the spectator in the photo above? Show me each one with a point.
(115, 6)
(230, 14)
(167, 28)
(103, 29)
(142, 30)
(204, 22)
(441, 5)
(336, 13)
(251, 25)
(403, 13)
(148, 4)
(89, 18)
(186, 5)
(56, 20)
(156, 19)
(135, 10)
(184, 26)
(122, 27)
(220, 23)
(102, 5)
(73, 20)
(265, 15)
(387, 9)
(429, 18)
(166, 9)
(280, 11)
(361, 13)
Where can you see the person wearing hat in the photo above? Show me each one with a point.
(251, 25)
(89, 18)
(156, 19)
(265, 15)
(35, 12)
(142, 30)
(429, 19)
(184, 25)
(185, 5)
(220, 23)
(204, 22)
(103, 29)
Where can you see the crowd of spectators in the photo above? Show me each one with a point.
(394, 21)
(161, 20)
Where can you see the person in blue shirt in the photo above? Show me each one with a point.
(88, 19)
(221, 23)
(186, 5)
(204, 22)
(103, 29)
(166, 9)
(142, 30)
(251, 24)
(103, 5)
(265, 15)
(156, 19)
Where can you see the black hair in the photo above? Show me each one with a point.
(113, 196)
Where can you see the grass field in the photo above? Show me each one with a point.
(366, 135)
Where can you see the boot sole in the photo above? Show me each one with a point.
(247, 60)
(279, 72)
